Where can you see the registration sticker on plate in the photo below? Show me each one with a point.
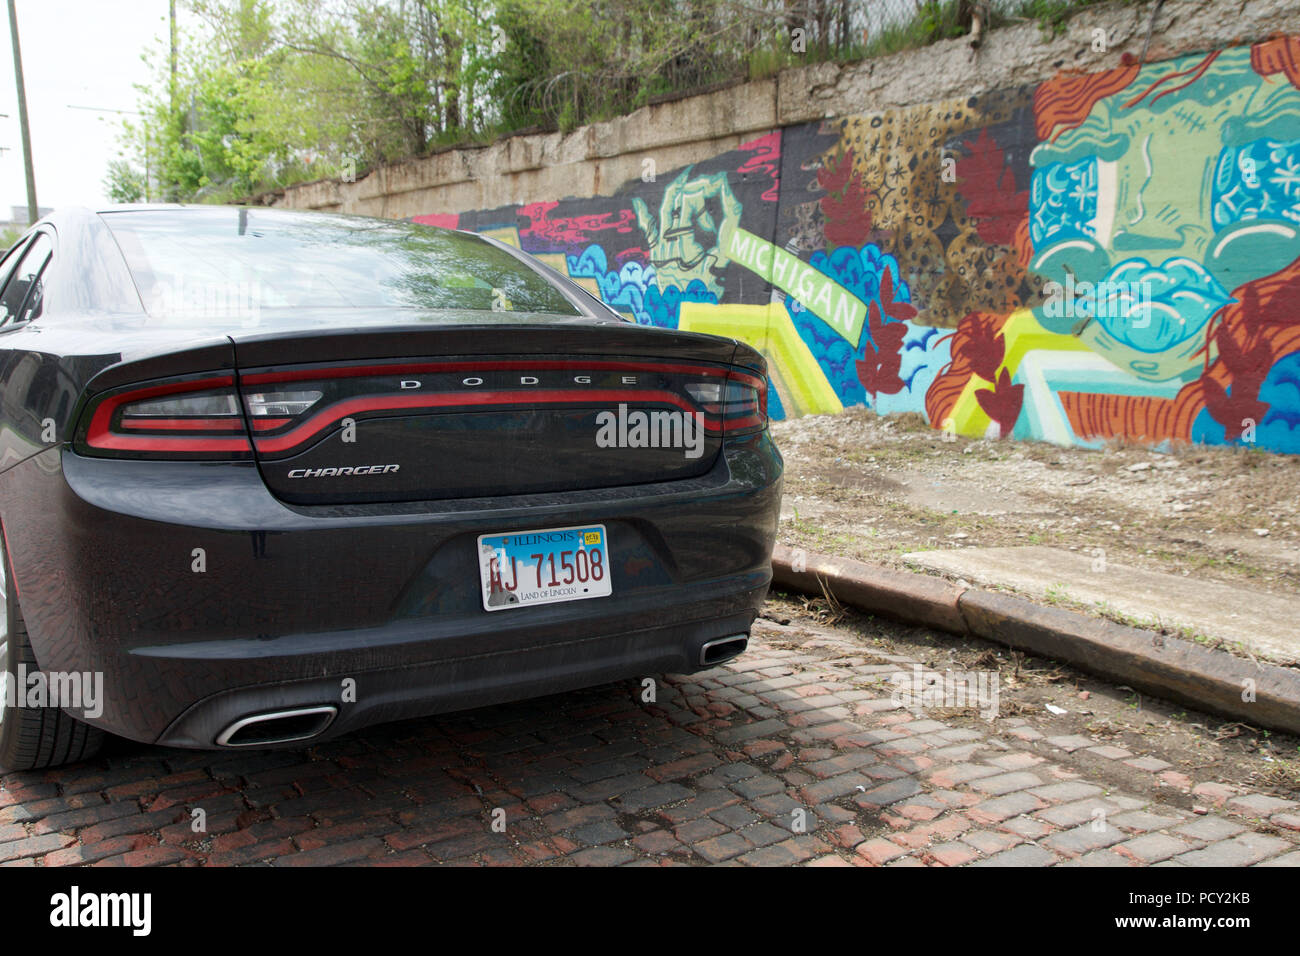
(543, 567)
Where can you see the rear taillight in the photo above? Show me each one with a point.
(278, 414)
(197, 418)
(706, 393)
(744, 404)
(740, 403)
(284, 404)
(194, 419)
(203, 405)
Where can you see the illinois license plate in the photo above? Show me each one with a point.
(543, 567)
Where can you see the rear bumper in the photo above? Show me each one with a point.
(534, 662)
(201, 598)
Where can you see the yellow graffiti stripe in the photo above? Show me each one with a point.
(507, 234)
(556, 260)
(793, 368)
(1022, 334)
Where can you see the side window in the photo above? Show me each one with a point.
(11, 259)
(21, 299)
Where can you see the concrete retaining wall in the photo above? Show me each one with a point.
(1042, 238)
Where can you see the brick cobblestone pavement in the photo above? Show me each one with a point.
(795, 753)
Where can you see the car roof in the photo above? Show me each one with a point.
(86, 227)
(72, 213)
(139, 206)
(88, 217)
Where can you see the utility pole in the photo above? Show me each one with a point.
(171, 88)
(173, 118)
(33, 211)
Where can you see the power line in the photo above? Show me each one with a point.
(103, 109)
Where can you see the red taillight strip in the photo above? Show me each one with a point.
(232, 424)
(357, 371)
(99, 434)
(745, 379)
(328, 416)
(113, 442)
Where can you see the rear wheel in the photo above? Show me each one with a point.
(31, 738)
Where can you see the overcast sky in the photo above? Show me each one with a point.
(75, 53)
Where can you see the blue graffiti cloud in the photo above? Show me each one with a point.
(1260, 180)
(634, 288)
(923, 356)
(1151, 308)
(1063, 200)
(624, 290)
(1280, 429)
(663, 305)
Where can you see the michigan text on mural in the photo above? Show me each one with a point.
(820, 294)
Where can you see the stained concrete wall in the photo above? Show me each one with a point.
(1040, 238)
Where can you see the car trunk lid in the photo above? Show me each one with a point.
(455, 411)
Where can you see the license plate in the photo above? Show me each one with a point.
(543, 567)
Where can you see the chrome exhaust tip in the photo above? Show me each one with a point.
(278, 727)
(723, 649)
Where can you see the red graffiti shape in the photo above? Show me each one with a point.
(878, 369)
(895, 310)
(1002, 402)
(1279, 54)
(573, 229)
(988, 185)
(766, 159)
(1064, 101)
(844, 207)
(448, 220)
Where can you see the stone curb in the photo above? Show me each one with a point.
(1166, 667)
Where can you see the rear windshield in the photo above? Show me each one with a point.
(228, 261)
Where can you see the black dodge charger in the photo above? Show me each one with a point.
(269, 476)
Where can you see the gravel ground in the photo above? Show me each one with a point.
(872, 488)
(862, 486)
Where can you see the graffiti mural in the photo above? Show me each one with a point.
(1107, 254)
(1162, 224)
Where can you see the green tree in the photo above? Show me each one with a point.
(124, 183)
(270, 92)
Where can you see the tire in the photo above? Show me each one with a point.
(32, 738)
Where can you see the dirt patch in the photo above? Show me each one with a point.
(873, 488)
